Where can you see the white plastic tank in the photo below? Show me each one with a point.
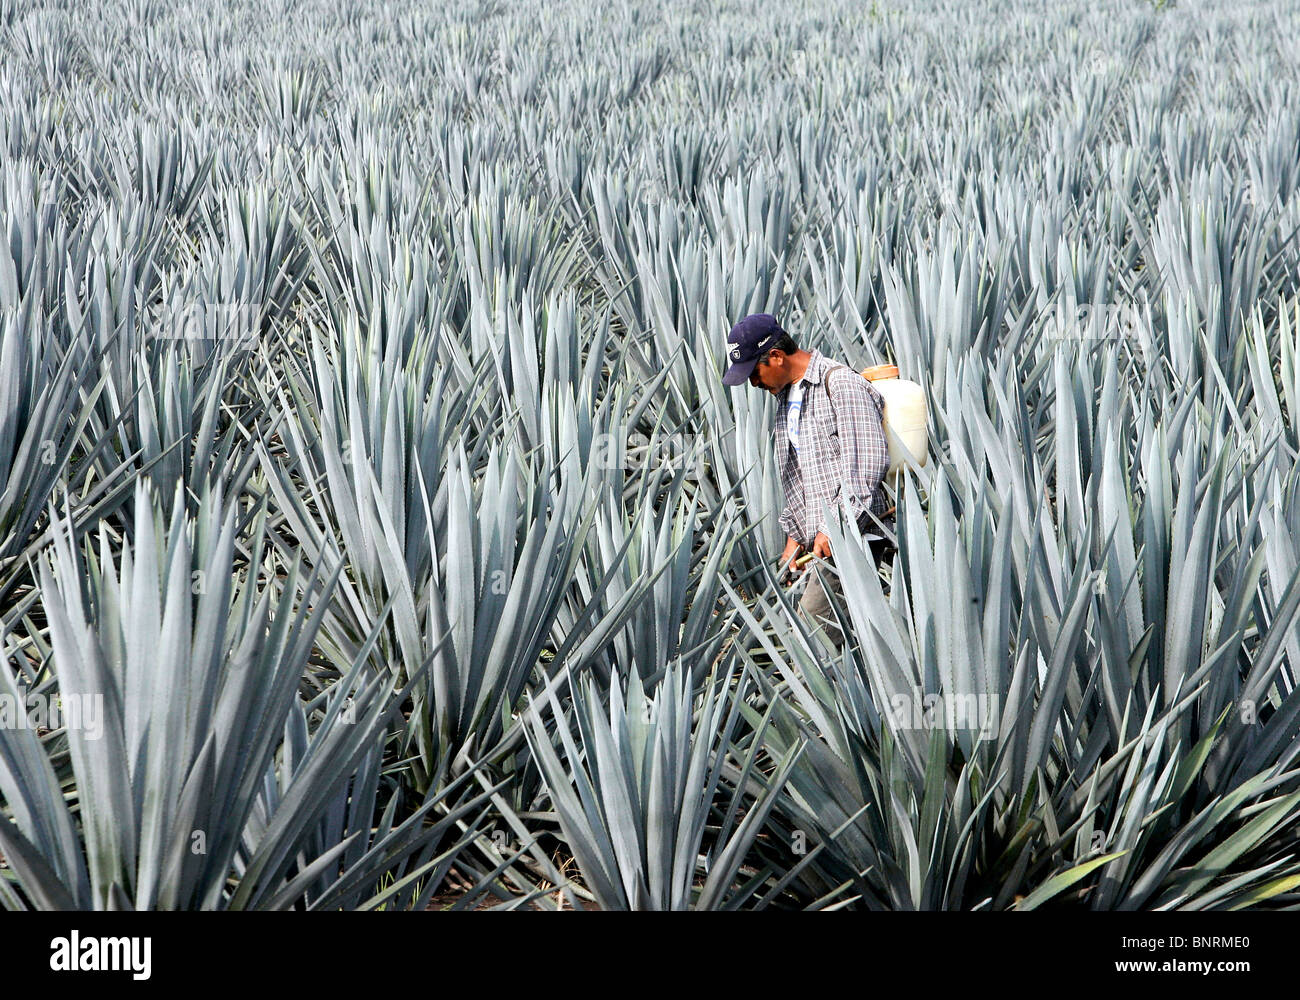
(904, 417)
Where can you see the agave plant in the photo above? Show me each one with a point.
(643, 779)
(203, 782)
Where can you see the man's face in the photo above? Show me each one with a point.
(770, 373)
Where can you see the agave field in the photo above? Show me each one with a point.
(376, 532)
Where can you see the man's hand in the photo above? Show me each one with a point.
(822, 546)
(792, 551)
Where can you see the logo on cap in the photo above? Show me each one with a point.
(735, 354)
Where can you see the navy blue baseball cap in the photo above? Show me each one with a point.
(748, 341)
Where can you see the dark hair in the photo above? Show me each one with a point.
(785, 345)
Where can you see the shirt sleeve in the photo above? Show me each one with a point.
(864, 452)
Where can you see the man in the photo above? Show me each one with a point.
(830, 448)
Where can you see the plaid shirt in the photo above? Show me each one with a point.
(842, 454)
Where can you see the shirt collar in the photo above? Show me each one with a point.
(817, 366)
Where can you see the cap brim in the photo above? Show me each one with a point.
(738, 374)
